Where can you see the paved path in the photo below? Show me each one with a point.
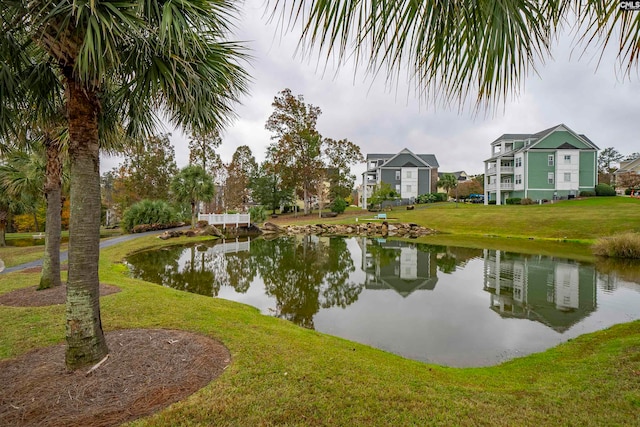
(103, 244)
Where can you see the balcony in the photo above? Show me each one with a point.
(503, 170)
(504, 186)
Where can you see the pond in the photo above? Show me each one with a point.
(446, 305)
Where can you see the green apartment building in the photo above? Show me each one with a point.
(556, 163)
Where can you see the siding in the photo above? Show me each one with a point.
(558, 138)
(538, 169)
(424, 186)
(389, 176)
(587, 170)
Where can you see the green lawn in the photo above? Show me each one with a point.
(577, 220)
(282, 374)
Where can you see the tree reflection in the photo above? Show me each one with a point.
(302, 273)
(305, 273)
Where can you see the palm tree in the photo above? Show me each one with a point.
(448, 181)
(192, 185)
(455, 49)
(150, 56)
(21, 176)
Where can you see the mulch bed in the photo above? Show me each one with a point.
(146, 370)
(32, 297)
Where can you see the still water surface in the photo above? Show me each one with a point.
(446, 305)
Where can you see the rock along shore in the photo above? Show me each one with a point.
(384, 229)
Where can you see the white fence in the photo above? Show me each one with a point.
(226, 219)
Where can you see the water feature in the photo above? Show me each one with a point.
(446, 305)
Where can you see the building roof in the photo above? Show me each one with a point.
(537, 137)
(460, 175)
(428, 159)
(626, 166)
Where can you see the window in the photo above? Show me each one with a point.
(397, 175)
(518, 179)
(408, 189)
(550, 177)
(409, 174)
(550, 159)
(567, 158)
(518, 162)
(567, 177)
(397, 188)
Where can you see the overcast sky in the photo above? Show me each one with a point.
(567, 89)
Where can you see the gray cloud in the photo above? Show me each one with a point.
(567, 89)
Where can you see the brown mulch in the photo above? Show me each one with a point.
(32, 297)
(147, 370)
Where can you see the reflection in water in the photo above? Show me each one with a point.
(447, 305)
(555, 292)
(305, 273)
(397, 265)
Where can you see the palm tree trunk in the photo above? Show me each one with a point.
(3, 227)
(193, 214)
(50, 276)
(85, 340)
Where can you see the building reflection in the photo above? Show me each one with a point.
(556, 292)
(397, 265)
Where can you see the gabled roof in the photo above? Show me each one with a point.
(422, 160)
(539, 136)
(629, 166)
(547, 132)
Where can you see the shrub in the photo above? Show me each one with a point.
(627, 192)
(605, 190)
(526, 201)
(492, 202)
(427, 198)
(587, 194)
(626, 245)
(338, 205)
(513, 201)
(442, 197)
(148, 212)
(257, 213)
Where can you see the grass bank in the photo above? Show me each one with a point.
(285, 375)
(566, 228)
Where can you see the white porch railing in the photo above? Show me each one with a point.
(503, 186)
(226, 219)
(503, 170)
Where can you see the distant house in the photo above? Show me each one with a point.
(552, 164)
(628, 175)
(409, 174)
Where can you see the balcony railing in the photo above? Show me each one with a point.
(504, 186)
(503, 170)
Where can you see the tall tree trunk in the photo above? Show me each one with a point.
(3, 227)
(85, 340)
(50, 276)
(35, 221)
(193, 214)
